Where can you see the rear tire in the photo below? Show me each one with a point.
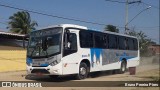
(123, 67)
(83, 71)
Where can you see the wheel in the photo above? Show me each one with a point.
(123, 67)
(54, 76)
(83, 71)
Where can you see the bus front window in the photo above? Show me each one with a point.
(45, 43)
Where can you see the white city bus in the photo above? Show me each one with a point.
(71, 49)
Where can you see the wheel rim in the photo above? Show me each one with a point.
(123, 67)
(83, 71)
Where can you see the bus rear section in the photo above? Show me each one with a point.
(109, 51)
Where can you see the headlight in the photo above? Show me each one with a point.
(54, 63)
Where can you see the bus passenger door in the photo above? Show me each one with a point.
(70, 55)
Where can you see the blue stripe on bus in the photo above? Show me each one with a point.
(97, 52)
(125, 55)
(44, 65)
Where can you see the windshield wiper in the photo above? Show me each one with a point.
(46, 54)
(34, 50)
(37, 45)
(44, 46)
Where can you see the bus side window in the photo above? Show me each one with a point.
(112, 41)
(135, 44)
(99, 41)
(116, 44)
(130, 44)
(86, 39)
(73, 41)
(126, 43)
(105, 38)
(121, 43)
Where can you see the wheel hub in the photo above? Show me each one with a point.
(82, 71)
(123, 67)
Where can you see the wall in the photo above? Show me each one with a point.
(12, 60)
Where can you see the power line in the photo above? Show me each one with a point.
(139, 1)
(50, 15)
(150, 5)
(138, 15)
(150, 27)
(115, 1)
(45, 14)
(134, 2)
(3, 23)
(4, 19)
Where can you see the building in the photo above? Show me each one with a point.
(12, 41)
(12, 51)
(155, 49)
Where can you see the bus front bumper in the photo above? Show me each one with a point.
(49, 70)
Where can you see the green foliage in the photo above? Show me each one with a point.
(111, 28)
(21, 23)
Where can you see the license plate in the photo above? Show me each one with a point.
(36, 64)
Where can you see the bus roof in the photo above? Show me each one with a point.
(83, 27)
(65, 25)
(119, 34)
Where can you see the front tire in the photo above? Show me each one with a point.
(83, 71)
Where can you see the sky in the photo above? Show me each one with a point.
(98, 11)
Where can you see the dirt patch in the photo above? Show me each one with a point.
(156, 59)
(150, 60)
(151, 75)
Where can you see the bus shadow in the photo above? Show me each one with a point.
(104, 73)
(45, 78)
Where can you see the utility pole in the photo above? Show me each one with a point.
(126, 17)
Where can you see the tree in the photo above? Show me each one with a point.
(111, 28)
(21, 23)
(144, 41)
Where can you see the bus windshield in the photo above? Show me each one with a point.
(45, 43)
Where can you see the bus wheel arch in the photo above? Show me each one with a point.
(87, 63)
(123, 66)
(84, 69)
